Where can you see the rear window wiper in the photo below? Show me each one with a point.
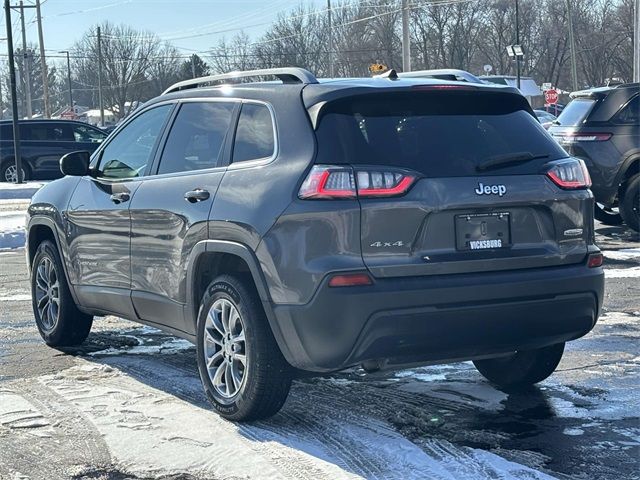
(498, 161)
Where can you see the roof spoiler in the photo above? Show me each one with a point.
(286, 75)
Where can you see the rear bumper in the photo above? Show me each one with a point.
(439, 318)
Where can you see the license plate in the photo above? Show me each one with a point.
(483, 231)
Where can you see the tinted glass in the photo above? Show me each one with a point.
(197, 137)
(576, 111)
(629, 115)
(128, 153)
(435, 134)
(88, 134)
(254, 137)
(6, 131)
(49, 132)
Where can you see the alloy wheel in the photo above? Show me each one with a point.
(11, 174)
(47, 293)
(225, 348)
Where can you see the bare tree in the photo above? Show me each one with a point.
(127, 55)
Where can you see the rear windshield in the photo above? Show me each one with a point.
(575, 113)
(443, 134)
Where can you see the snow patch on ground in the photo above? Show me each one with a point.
(19, 297)
(170, 346)
(623, 254)
(633, 272)
(19, 191)
(18, 413)
(151, 432)
(12, 233)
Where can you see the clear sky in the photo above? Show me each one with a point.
(191, 25)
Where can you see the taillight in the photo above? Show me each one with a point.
(569, 174)
(572, 137)
(326, 182)
(595, 260)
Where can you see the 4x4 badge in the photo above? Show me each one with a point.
(483, 189)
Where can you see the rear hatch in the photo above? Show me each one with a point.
(452, 181)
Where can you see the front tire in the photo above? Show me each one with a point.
(241, 367)
(630, 205)
(58, 319)
(522, 368)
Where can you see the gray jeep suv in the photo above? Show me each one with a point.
(314, 225)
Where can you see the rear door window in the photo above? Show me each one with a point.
(254, 135)
(439, 135)
(576, 112)
(46, 132)
(196, 139)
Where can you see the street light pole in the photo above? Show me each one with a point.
(43, 64)
(69, 80)
(572, 47)
(14, 94)
(406, 47)
(517, 43)
(26, 64)
(636, 43)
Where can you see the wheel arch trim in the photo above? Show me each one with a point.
(39, 220)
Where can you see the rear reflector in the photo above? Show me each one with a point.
(350, 280)
(569, 174)
(595, 260)
(338, 182)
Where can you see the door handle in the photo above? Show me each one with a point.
(196, 195)
(119, 197)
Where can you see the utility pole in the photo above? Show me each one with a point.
(69, 80)
(100, 79)
(331, 73)
(26, 64)
(43, 64)
(636, 43)
(14, 94)
(517, 43)
(572, 47)
(406, 47)
(193, 66)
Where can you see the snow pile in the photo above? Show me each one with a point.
(12, 233)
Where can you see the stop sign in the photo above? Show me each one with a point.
(551, 96)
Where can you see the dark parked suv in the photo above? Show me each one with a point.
(309, 225)
(602, 127)
(43, 143)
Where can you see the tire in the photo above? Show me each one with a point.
(523, 368)
(8, 172)
(630, 205)
(58, 319)
(253, 378)
(606, 216)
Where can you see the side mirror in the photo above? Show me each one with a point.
(75, 164)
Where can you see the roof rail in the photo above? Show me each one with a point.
(287, 75)
(453, 74)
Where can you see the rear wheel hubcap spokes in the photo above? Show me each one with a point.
(224, 348)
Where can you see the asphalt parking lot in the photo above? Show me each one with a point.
(129, 404)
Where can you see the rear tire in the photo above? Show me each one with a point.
(523, 368)
(630, 205)
(606, 215)
(58, 319)
(8, 172)
(241, 367)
